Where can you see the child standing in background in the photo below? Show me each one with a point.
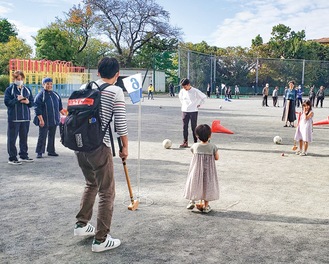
(202, 180)
(304, 130)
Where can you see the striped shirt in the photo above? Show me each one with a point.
(113, 104)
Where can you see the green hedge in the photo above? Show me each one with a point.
(4, 83)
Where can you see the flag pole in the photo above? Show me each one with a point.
(139, 138)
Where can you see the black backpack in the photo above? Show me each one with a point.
(82, 128)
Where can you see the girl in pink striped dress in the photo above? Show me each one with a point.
(304, 130)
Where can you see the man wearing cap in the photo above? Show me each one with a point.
(265, 95)
(47, 108)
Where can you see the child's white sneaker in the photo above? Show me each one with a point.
(206, 209)
(190, 205)
(108, 244)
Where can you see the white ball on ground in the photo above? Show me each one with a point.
(277, 140)
(220, 107)
(167, 143)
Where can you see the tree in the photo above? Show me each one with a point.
(79, 24)
(93, 52)
(6, 30)
(54, 44)
(159, 54)
(257, 41)
(15, 48)
(153, 53)
(130, 24)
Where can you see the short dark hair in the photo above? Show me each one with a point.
(18, 73)
(307, 102)
(293, 82)
(108, 67)
(185, 81)
(203, 132)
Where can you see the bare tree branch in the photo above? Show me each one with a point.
(130, 24)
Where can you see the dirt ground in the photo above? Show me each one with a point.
(272, 208)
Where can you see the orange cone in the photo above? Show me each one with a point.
(322, 122)
(216, 127)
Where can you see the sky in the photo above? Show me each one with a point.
(220, 23)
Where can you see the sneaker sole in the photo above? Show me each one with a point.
(97, 250)
(76, 233)
(16, 163)
(84, 235)
(27, 161)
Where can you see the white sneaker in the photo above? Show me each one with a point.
(206, 209)
(87, 230)
(14, 162)
(109, 243)
(25, 159)
(191, 205)
(303, 154)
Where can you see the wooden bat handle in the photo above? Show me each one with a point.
(126, 172)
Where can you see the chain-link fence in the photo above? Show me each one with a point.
(250, 74)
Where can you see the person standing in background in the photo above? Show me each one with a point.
(208, 90)
(275, 95)
(320, 96)
(150, 90)
(237, 92)
(299, 96)
(191, 99)
(18, 99)
(311, 95)
(47, 106)
(289, 112)
(171, 90)
(265, 95)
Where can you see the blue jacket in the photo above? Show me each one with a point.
(48, 104)
(17, 111)
(291, 95)
(299, 93)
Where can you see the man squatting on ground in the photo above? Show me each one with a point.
(190, 98)
(97, 165)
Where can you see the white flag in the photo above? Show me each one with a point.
(133, 85)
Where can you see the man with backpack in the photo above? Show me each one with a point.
(97, 165)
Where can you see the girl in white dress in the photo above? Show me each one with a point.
(304, 130)
(202, 180)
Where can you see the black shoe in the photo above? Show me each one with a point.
(285, 126)
(39, 156)
(53, 154)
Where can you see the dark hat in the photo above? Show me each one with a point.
(47, 79)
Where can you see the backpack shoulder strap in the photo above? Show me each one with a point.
(103, 86)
